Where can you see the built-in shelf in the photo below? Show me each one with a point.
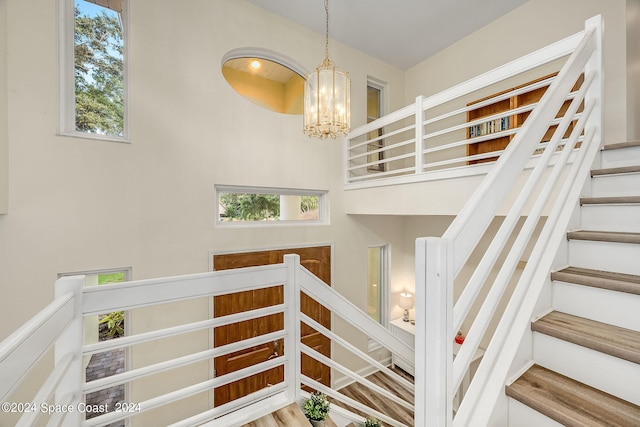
(480, 130)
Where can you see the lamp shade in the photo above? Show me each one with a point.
(406, 301)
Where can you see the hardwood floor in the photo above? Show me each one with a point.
(373, 399)
(289, 416)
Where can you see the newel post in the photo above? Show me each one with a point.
(69, 391)
(293, 366)
(434, 335)
(596, 90)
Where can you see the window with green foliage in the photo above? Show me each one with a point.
(264, 206)
(94, 98)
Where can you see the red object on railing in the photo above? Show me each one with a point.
(459, 339)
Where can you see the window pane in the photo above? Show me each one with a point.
(98, 69)
(264, 206)
(374, 111)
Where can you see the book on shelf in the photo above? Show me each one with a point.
(492, 126)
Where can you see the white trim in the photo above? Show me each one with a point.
(383, 290)
(437, 175)
(66, 122)
(269, 55)
(383, 88)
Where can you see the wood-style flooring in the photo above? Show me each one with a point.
(373, 399)
(289, 416)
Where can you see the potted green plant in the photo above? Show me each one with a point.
(316, 408)
(372, 422)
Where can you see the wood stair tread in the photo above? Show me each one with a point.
(599, 279)
(570, 402)
(613, 340)
(621, 145)
(605, 236)
(610, 200)
(615, 171)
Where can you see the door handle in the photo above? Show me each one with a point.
(275, 351)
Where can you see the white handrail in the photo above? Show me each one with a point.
(336, 339)
(142, 293)
(481, 323)
(490, 377)
(354, 376)
(130, 340)
(22, 349)
(65, 316)
(357, 174)
(351, 402)
(439, 260)
(356, 317)
(473, 220)
(470, 292)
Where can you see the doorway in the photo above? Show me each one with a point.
(317, 260)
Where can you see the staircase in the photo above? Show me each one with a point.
(586, 351)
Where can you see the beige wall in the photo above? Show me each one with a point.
(633, 70)
(532, 26)
(78, 204)
(4, 114)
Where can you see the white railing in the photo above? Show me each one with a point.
(60, 326)
(440, 260)
(428, 139)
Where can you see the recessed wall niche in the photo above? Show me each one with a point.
(266, 78)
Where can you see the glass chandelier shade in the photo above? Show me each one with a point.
(327, 98)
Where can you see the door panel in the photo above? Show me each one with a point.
(318, 261)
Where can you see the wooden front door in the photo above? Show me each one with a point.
(315, 259)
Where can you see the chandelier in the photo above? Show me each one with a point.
(327, 96)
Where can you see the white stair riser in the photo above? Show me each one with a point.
(607, 373)
(629, 156)
(607, 256)
(521, 415)
(610, 217)
(598, 304)
(616, 185)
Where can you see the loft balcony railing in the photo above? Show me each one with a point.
(431, 138)
(59, 327)
(53, 341)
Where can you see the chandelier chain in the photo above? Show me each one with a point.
(326, 29)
